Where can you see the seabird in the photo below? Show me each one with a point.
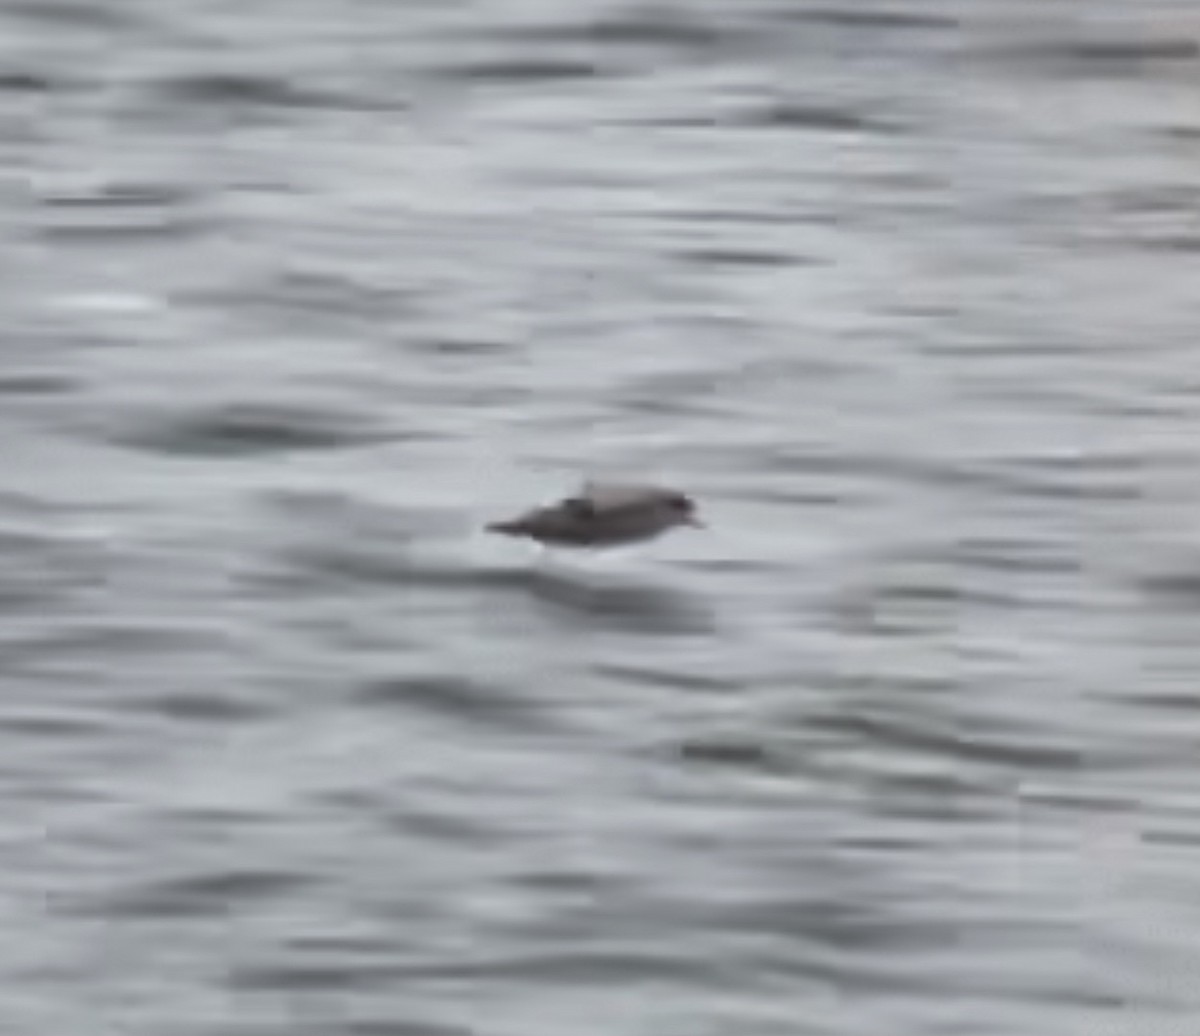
(603, 515)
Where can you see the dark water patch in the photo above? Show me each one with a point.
(672, 679)
(1001, 555)
(932, 796)
(127, 194)
(314, 302)
(36, 383)
(650, 25)
(1172, 701)
(743, 217)
(1178, 131)
(63, 14)
(18, 82)
(917, 604)
(942, 740)
(460, 346)
(736, 752)
(1179, 586)
(457, 697)
(84, 640)
(250, 91)
(753, 257)
(520, 71)
(397, 1028)
(837, 924)
(1107, 58)
(199, 707)
(441, 825)
(1174, 838)
(313, 976)
(732, 565)
(899, 684)
(121, 209)
(356, 945)
(564, 881)
(746, 218)
(868, 17)
(54, 725)
(1186, 244)
(113, 227)
(875, 845)
(214, 818)
(216, 894)
(827, 118)
(1045, 483)
(248, 429)
(38, 571)
(596, 967)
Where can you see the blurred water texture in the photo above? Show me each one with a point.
(299, 294)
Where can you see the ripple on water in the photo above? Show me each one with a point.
(520, 71)
(38, 383)
(630, 607)
(576, 596)
(1106, 58)
(938, 737)
(875, 18)
(18, 82)
(112, 211)
(649, 25)
(250, 92)
(209, 894)
(200, 707)
(456, 698)
(744, 752)
(243, 429)
(395, 1028)
(823, 118)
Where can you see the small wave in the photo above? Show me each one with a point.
(327, 976)
(14, 81)
(115, 210)
(716, 256)
(454, 696)
(249, 428)
(827, 118)
(651, 26)
(58, 724)
(246, 90)
(396, 1028)
(598, 966)
(60, 13)
(214, 894)
(742, 753)
(199, 707)
(671, 679)
(523, 70)
(1105, 58)
(879, 18)
(1181, 585)
(628, 607)
(37, 384)
(974, 745)
(120, 194)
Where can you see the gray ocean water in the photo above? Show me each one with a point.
(299, 293)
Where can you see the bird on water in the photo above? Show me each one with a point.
(604, 515)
